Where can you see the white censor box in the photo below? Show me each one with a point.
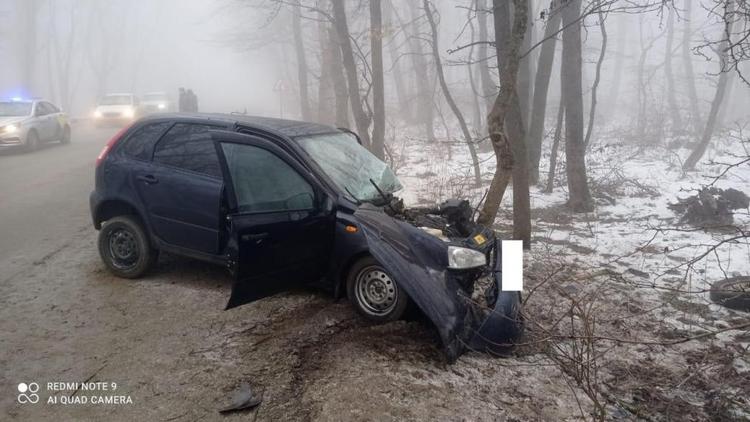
(512, 264)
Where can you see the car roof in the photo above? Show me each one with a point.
(289, 128)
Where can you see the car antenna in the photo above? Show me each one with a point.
(385, 198)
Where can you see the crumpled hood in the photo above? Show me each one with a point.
(418, 262)
(4, 121)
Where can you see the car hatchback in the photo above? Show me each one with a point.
(282, 203)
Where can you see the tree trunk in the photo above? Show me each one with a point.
(509, 146)
(579, 197)
(524, 71)
(325, 112)
(448, 97)
(339, 81)
(708, 131)
(555, 147)
(405, 108)
(671, 97)
(597, 78)
(299, 48)
(378, 86)
(541, 87)
(687, 61)
(489, 89)
(361, 120)
(422, 76)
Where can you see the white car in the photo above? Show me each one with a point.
(116, 109)
(156, 102)
(28, 123)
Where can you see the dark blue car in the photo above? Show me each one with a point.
(281, 203)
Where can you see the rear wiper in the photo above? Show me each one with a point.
(384, 196)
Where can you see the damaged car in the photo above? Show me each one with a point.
(282, 203)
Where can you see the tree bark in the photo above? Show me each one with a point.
(597, 78)
(326, 101)
(555, 147)
(509, 146)
(541, 87)
(425, 92)
(299, 48)
(489, 89)
(687, 61)
(339, 81)
(361, 120)
(579, 197)
(378, 86)
(447, 94)
(671, 97)
(708, 131)
(524, 71)
(405, 108)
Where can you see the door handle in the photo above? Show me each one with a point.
(254, 236)
(148, 178)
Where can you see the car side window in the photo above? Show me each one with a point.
(41, 109)
(52, 108)
(139, 144)
(263, 182)
(183, 147)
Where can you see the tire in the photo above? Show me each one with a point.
(373, 293)
(125, 248)
(733, 293)
(65, 139)
(32, 141)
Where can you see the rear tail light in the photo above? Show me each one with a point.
(108, 147)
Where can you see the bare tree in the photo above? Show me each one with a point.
(489, 89)
(671, 97)
(687, 61)
(361, 119)
(541, 87)
(422, 75)
(447, 93)
(339, 81)
(378, 85)
(299, 49)
(721, 86)
(598, 75)
(579, 197)
(505, 125)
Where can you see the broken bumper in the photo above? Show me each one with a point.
(417, 261)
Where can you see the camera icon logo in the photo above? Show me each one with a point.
(28, 393)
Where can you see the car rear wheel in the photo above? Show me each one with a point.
(124, 247)
(374, 294)
(65, 139)
(32, 141)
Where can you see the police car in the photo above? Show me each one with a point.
(29, 123)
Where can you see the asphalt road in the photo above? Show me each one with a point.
(44, 195)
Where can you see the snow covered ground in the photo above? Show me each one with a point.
(630, 266)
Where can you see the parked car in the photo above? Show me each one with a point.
(156, 102)
(281, 203)
(116, 110)
(28, 123)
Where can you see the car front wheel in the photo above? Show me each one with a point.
(374, 294)
(124, 247)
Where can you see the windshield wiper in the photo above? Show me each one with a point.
(357, 200)
(386, 198)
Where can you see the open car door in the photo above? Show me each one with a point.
(280, 220)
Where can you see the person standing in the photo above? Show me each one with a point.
(182, 101)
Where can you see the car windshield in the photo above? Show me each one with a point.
(116, 100)
(350, 166)
(15, 108)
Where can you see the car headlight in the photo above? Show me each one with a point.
(161, 106)
(462, 258)
(97, 114)
(10, 129)
(129, 113)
